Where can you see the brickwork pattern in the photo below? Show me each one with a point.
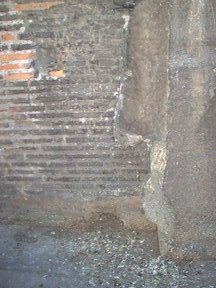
(61, 64)
(17, 54)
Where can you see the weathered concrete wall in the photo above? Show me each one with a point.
(62, 64)
(145, 92)
(144, 99)
(145, 87)
(189, 182)
(180, 193)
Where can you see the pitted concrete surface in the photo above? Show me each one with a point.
(41, 257)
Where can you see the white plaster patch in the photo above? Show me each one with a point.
(120, 101)
(159, 158)
(11, 23)
(133, 139)
(126, 19)
(83, 120)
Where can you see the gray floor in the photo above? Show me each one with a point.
(40, 257)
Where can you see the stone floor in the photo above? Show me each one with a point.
(41, 257)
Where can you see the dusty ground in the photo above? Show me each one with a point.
(41, 257)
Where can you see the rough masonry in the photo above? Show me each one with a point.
(107, 112)
(170, 102)
(62, 65)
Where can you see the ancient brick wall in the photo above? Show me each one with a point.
(62, 65)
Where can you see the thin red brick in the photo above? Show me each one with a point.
(18, 76)
(56, 73)
(35, 6)
(15, 56)
(7, 37)
(9, 67)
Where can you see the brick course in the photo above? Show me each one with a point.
(9, 57)
(7, 37)
(14, 47)
(35, 6)
(58, 103)
(18, 76)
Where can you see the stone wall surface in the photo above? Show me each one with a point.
(108, 105)
(145, 87)
(180, 194)
(189, 181)
(62, 64)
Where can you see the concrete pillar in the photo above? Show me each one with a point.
(171, 103)
(190, 175)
